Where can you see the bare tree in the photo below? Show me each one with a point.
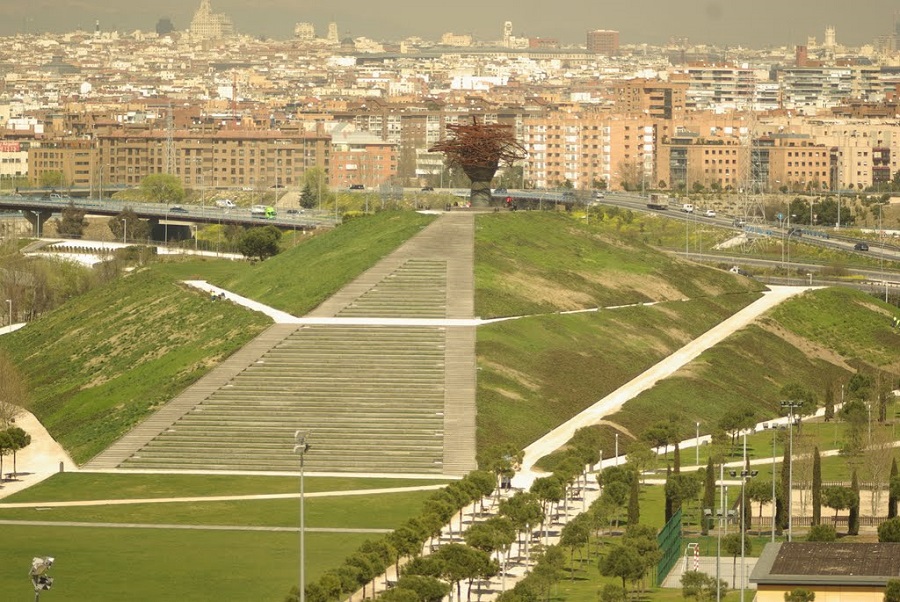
(876, 463)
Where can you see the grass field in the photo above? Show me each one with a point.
(215, 562)
(98, 486)
(154, 565)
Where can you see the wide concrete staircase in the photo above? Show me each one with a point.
(371, 397)
(374, 398)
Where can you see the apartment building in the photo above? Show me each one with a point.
(588, 146)
(361, 158)
(814, 89)
(223, 158)
(655, 98)
(718, 87)
(603, 41)
(73, 158)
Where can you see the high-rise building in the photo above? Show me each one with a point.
(333, 37)
(830, 37)
(603, 41)
(507, 33)
(207, 25)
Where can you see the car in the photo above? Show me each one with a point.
(177, 209)
(293, 211)
(598, 194)
(501, 191)
(709, 213)
(225, 204)
(427, 188)
(861, 246)
(739, 222)
(357, 187)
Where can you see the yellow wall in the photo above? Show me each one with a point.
(825, 593)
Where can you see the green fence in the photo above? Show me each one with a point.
(669, 542)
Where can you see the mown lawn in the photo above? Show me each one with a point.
(155, 565)
(73, 486)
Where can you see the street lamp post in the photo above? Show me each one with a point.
(617, 449)
(697, 445)
(774, 433)
(790, 405)
(124, 231)
(746, 475)
(301, 447)
(719, 533)
(9, 303)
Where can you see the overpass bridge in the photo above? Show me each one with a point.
(38, 210)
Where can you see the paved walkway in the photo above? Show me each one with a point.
(43, 457)
(615, 400)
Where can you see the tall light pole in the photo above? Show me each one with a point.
(790, 405)
(124, 231)
(881, 242)
(697, 444)
(746, 475)
(617, 449)
(774, 433)
(301, 447)
(9, 303)
(719, 533)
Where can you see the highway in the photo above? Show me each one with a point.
(196, 214)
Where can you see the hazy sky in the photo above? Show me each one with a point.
(733, 22)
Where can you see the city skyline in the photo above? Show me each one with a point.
(701, 21)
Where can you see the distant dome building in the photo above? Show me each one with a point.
(207, 25)
(164, 26)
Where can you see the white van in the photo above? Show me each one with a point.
(225, 204)
(687, 208)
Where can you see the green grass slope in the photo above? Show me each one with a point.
(101, 363)
(814, 339)
(301, 278)
(530, 262)
(535, 373)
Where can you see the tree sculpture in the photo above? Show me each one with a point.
(479, 149)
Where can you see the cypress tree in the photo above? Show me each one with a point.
(817, 488)
(634, 503)
(892, 499)
(829, 402)
(853, 520)
(785, 489)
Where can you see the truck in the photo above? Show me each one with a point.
(263, 211)
(657, 201)
(687, 208)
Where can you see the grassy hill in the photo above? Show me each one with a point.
(99, 364)
(104, 361)
(818, 340)
(537, 372)
(302, 277)
(530, 263)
